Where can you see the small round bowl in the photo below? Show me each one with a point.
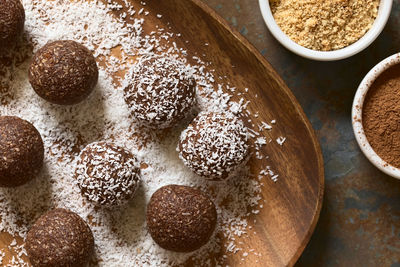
(380, 22)
(357, 111)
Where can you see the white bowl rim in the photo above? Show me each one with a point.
(356, 115)
(376, 29)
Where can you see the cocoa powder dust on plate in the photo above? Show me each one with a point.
(381, 116)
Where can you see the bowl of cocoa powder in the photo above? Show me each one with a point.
(325, 30)
(376, 116)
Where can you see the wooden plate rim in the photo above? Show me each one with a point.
(298, 108)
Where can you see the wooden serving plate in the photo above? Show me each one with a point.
(290, 214)
(292, 204)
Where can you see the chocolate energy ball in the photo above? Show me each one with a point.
(214, 144)
(12, 19)
(59, 238)
(63, 72)
(162, 92)
(107, 175)
(21, 151)
(181, 218)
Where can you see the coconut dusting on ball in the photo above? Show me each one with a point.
(162, 91)
(63, 72)
(214, 144)
(181, 218)
(60, 238)
(107, 174)
(12, 18)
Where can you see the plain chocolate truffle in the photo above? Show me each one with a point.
(214, 145)
(161, 93)
(60, 238)
(12, 19)
(108, 175)
(63, 72)
(181, 218)
(21, 151)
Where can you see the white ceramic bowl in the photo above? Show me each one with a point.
(357, 116)
(380, 22)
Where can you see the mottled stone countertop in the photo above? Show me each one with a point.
(360, 218)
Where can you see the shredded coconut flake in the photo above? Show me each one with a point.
(281, 140)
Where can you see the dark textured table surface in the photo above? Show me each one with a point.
(360, 218)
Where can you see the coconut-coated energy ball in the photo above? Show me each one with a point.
(108, 175)
(214, 144)
(21, 151)
(161, 93)
(63, 72)
(60, 238)
(12, 19)
(181, 218)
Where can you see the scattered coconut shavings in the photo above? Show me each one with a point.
(120, 234)
(265, 126)
(2, 255)
(260, 141)
(280, 140)
(268, 172)
(275, 178)
(19, 254)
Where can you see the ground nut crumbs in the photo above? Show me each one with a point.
(325, 25)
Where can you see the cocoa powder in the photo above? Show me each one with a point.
(381, 116)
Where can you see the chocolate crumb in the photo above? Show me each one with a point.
(21, 151)
(181, 218)
(63, 72)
